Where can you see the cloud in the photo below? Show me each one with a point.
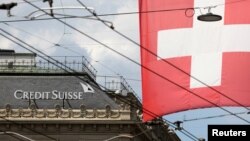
(111, 62)
(107, 36)
(52, 31)
(5, 44)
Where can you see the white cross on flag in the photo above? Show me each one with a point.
(216, 53)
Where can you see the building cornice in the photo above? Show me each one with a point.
(63, 114)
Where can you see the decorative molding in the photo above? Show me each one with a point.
(65, 114)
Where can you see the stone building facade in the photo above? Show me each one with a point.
(43, 102)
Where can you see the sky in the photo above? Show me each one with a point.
(45, 34)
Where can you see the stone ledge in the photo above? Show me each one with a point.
(64, 114)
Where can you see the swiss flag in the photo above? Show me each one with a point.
(216, 53)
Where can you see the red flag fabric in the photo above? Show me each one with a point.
(216, 53)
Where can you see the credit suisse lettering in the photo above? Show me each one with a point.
(20, 94)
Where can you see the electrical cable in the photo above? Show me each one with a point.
(123, 34)
(55, 44)
(132, 79)
(64, 27)
(63, 68)
(231, 2)
(41, 57)
(44, 59)
(22, 2)
(1, 132)
(34, 35)
(167, 62)
(68, 49)
(43, 19)
(32, 130)
(41, 38)
(212, 117)
(140, 45)
(186, 133)
(161, 76)
(155, 115)
(140, 107)
(14, 27)
(122, 13)
(56, 62)
(46, 40)
(126, 37)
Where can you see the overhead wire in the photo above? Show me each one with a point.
(221, 115)
(54, 63)
(59, 45)
(64, 27)
(231, 2)
(64, 68)
(63, 47)
(1, 132)
(123, 35)
(39, 56)
(148, 69)
(32, 130)
(159, 57)
(164, 60)
(50, 59)
(24, 31)
(100, 15)
(34, 35)
(121, 54)
(2, 35)
(122, 13)
(73, 51)
(41, 38)
(173, 64)
(94, 14)
(33, 1)
(17, 122)
(212, 117)
(183, 131)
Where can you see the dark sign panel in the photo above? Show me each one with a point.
(49, 91)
